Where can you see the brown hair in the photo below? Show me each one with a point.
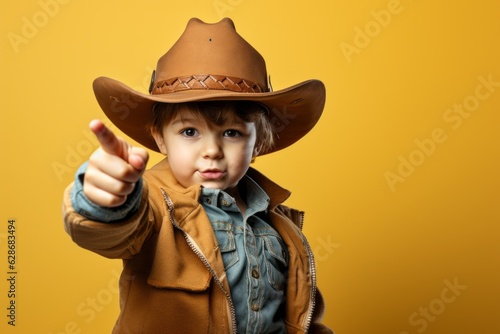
(218, 112)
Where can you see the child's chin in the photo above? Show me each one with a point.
(213, 185)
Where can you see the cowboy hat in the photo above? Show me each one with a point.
(212, 62)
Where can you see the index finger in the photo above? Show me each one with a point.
(110, 143)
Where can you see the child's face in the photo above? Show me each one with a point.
(199, 152)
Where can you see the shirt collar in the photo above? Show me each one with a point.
(256, 198)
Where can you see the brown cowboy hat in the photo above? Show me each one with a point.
(212, 62)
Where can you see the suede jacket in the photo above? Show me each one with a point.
(173, 279)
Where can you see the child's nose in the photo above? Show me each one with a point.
(212, 148)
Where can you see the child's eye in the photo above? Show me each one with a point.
(190, 132)
(232, 133)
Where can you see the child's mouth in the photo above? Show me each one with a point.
(212, 174)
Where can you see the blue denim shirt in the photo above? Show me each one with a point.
(254, 255)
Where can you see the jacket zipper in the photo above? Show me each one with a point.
(192, 244)
(312, 268)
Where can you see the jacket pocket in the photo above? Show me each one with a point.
(174, 263)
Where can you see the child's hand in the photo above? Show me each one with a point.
(113, 168)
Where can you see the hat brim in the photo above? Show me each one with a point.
(293, 111)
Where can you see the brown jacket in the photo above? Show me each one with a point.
(173, 279)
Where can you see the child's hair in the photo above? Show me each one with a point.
(219, 112)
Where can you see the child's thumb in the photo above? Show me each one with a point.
(138, 158)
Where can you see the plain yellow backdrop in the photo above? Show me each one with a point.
(399, 180)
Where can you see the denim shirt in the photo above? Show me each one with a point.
(254, 255)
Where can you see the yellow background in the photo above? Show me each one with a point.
(401, 192)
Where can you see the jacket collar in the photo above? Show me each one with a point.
(276, 193)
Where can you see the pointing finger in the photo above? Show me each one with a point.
(110, 143)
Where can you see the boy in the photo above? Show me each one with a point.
(207, 245)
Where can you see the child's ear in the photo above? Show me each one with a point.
(159, 142)
(256, 151)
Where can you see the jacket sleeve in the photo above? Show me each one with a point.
(119, 239)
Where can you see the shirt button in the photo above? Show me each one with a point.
(225, 203)
(208, 200)
(255, 273)
(255, 307)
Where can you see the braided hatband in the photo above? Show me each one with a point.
(206, 81)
